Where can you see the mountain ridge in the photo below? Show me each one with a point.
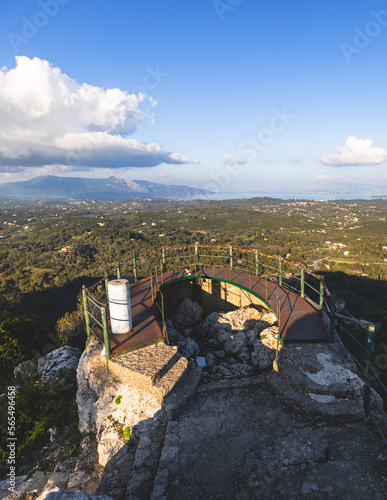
(83, 188)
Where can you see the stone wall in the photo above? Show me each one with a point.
(212, 295)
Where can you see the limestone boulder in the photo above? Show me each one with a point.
(26, 370)
(64, 359)
(188, 313)
(262, 356)
(188, 347)
(236, 343)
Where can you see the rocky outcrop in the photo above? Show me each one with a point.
(63, 359)
(136, 390)
(320, 380)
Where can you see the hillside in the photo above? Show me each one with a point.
(81, 188)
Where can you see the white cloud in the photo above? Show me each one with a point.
(47, 118)
(233, 160)
(355, 152)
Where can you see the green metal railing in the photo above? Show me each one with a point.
(255, 264)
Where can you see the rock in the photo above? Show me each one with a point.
(223, 335)
(116, 474)
(335, 374)
(36, 483)
(26, 370)
(219, 354)
(251, 335)
(236, 343)
(173, 335)
(65, 358)
(200, 361)
(97, 393)
(86, 471)
(262, 356)
(210, 359)
(56, 481)
(244, 355)
(241, 370)
(72, 495)
(5, 485)
(187, 313)
(188, 347)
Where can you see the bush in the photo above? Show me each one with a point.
(38, 407)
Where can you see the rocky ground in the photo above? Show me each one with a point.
(221, 413)
(240, 442)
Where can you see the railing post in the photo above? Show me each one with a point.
(302, 282)
(86, 310)
(106, 284)
(256, 264)
(196, 259)
(279, 271)
(106, 339)
(333, 318)
(368, 374)
(163, 259)
(231, 260)
(118, 271)
(321, 304)
(165, 333)
(134, 267)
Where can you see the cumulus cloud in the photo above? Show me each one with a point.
(355, 152)
(233, 160)
(47, 118)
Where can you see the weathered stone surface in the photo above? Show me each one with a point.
(87, 472)
(73, 495)
(56, 481)
(26, 369)
(173, 335)
(65, 358)
(170, 379)
(262, 355)
(116, 474)
(20, 483)
(140, 368)
(188, 347)
(333, 373)
(187, 313)
(242, 443)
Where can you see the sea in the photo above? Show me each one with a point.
(289, 196)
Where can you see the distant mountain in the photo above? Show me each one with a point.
(82, 188)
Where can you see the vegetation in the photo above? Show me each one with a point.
(49, 249)
(40, 407)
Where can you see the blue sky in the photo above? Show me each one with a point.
(243, 95)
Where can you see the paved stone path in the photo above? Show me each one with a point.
(240, 442)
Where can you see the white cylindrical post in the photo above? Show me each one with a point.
(119, 306)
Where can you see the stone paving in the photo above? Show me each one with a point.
(240, 442)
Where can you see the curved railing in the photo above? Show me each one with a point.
(254, 263)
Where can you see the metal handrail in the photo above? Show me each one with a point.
(237, 259)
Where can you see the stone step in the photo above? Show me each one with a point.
(320, 407)
(303, 383)
(165, 383)
(142, 368)
(146, 461)
(177, 401)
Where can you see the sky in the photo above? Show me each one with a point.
(227, 95)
